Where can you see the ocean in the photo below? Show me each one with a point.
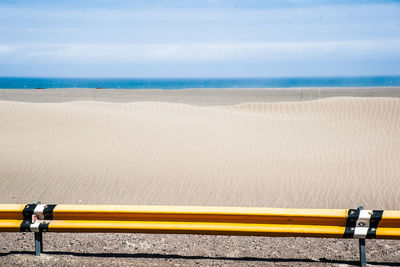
(108, 83)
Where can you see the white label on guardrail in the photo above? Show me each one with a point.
(35, 226)
(362, 224)
(39, 211)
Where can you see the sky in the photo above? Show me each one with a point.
(199, 38)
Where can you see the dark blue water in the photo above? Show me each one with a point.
(30, 83)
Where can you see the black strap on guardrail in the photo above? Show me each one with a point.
(376, 217)
(34, 212)
(362, 224)
(36, 218)
(27, 212)
(351, 221)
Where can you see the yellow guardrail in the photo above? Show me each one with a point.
(329, 223)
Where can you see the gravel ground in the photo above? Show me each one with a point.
(16, 249)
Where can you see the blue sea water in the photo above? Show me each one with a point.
(31, 83)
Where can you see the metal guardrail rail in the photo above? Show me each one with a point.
(328, 223)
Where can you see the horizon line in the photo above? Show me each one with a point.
(199, 78)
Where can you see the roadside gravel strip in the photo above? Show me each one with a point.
(16, 249)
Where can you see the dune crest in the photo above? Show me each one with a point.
(332, 153)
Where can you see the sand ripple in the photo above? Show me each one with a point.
(333, 153)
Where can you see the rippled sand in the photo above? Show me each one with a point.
(331, 153)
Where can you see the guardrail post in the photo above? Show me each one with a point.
(38, 243)
(361, 245)
(38, 238)
(363, 256)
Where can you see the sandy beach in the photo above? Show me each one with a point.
(331, 153)
(299, 149)
(197, 97)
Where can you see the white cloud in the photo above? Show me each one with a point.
(49, 29)
(5, 49)
(204, 52)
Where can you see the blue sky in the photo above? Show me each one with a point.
(195, 38)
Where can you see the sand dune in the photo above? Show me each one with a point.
(332, 153)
